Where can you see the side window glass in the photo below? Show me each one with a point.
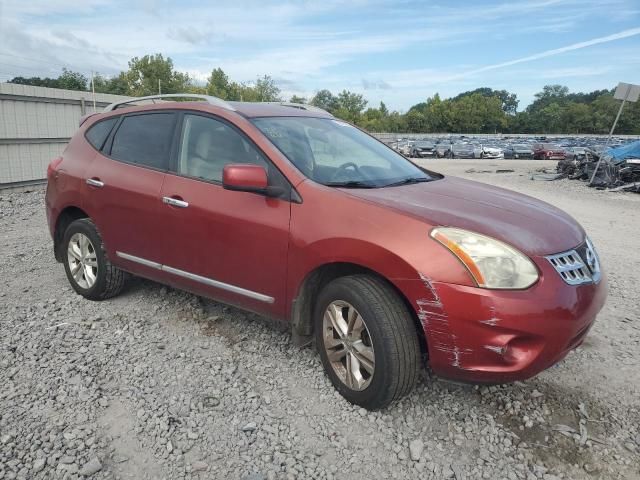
(207, 145)
(98, 133)
(144, 139)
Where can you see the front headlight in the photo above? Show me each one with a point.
(491, 263)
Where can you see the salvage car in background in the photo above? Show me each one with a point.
(491, 152)
(404, 147)
(465, 150)
(443, 150)
(518, 150)
(548, 151)
(578, 153)
(287, 211)
(421, 149)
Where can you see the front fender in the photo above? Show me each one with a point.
(331, 226)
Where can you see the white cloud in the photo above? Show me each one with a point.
(306, 45)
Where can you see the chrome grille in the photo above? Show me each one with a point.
(577, 266)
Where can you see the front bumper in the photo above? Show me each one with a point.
(495, 336)
(429, 153)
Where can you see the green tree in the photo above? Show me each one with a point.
(218, 84)
(416, 121)
(350, 105)
(509, 101)
(144, 73)
(36, 81)
(70, 80)
(297, 99)
(267, 90)
(116, 85)
(550, 94)
(383, 109)
(476, 114)
(326, 100)
(577, 118)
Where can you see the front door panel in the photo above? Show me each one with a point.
(231, 245)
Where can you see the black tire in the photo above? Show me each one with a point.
(392, 334)
(109, 280)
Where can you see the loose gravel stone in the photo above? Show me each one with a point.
(91, 467)
(415, 448)
(159, 383)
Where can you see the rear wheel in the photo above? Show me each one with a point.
(88, 269)
(367, 341)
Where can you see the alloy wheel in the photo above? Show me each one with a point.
(348, 345)
(82, 259)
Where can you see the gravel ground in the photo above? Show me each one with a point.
(158, 383)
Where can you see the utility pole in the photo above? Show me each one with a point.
(93, 91)
(159, 87)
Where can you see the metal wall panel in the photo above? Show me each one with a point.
(35, 125)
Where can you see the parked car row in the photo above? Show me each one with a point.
(513, 148)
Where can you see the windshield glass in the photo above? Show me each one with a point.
(335, 153)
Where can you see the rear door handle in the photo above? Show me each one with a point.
(174, 202)
(94, 182)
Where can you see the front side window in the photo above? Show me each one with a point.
(144, 140)
(335, 153)
(207, 145)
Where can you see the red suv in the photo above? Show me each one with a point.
(284, 210)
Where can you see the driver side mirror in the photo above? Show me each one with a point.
(248, 178)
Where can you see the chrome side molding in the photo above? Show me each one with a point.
(197, 278)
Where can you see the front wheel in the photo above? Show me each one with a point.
(367, 341)
(88, 269)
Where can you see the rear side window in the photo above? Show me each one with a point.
(98, 133)
(144, 140)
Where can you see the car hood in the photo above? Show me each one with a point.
(530, 225)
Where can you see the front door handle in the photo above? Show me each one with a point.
(94, 182)
(175, 202)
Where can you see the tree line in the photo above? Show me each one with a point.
(483, 110)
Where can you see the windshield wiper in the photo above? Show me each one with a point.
(408, 181)
(350, 184)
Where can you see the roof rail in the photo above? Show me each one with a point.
(218, 102)
(301, 106)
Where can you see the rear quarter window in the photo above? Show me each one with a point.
(144, 140)
(98, 133)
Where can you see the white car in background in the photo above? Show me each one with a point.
(488, 151)
(404, 147)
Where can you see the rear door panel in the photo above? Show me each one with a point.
(123, 188)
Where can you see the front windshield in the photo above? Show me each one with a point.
(334, 153)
